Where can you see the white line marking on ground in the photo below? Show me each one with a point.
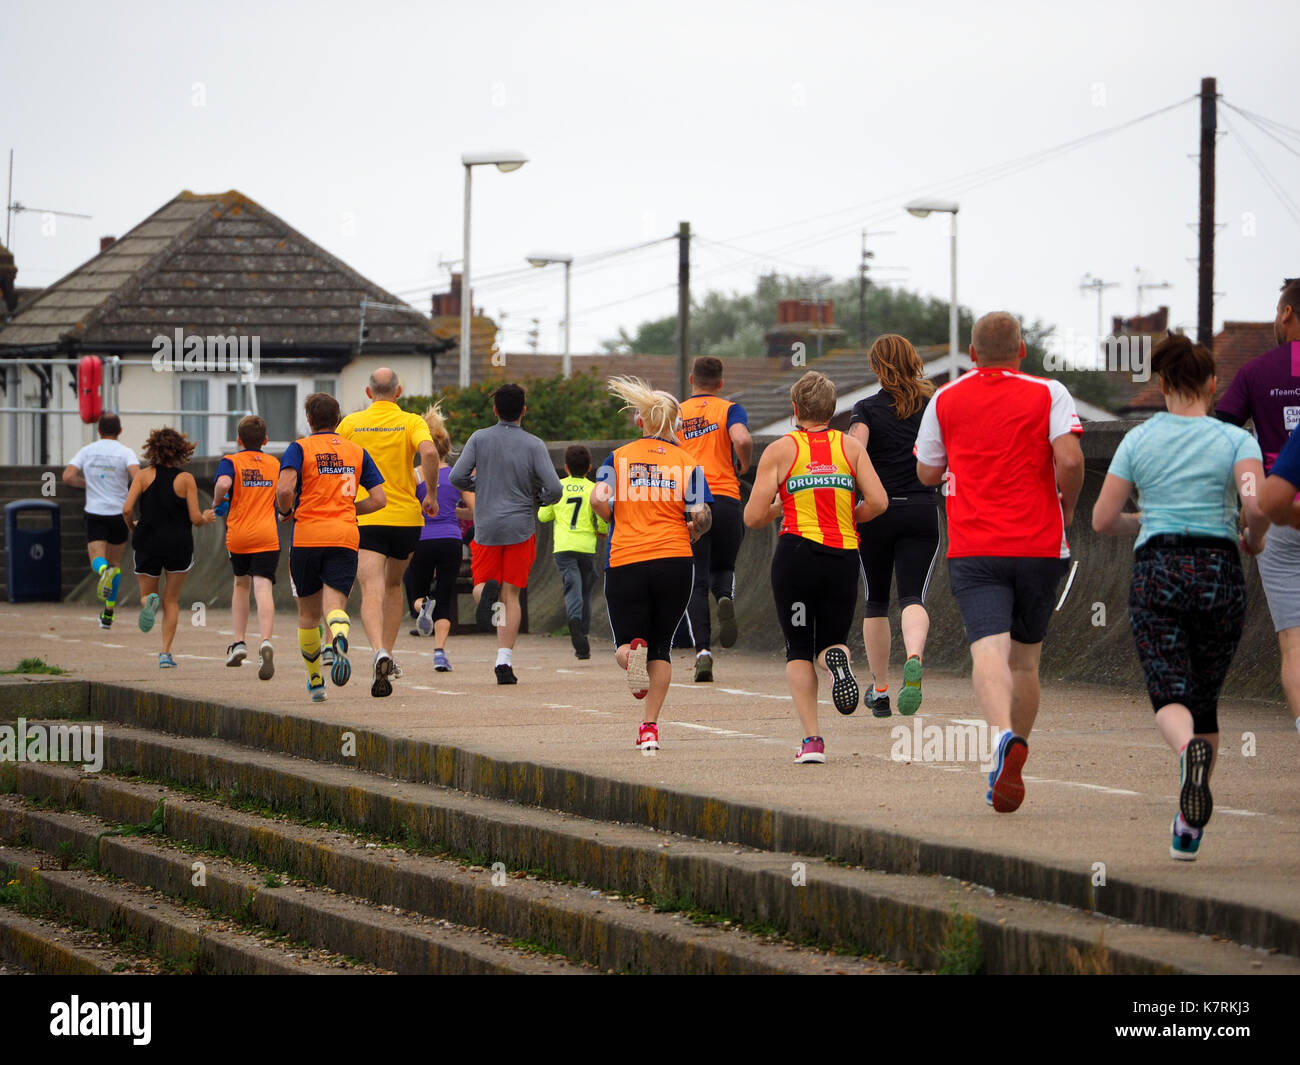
(1073, 570)
(436, 691)
(1239, 813)
(716, 731)
(115, 646)
(1080, 784)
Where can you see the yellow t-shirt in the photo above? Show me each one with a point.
(392, 437)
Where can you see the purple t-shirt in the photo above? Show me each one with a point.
(444, 526)
(1266, 391)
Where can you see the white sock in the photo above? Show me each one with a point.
(1297, 724)
(706, 651)
(505, 656)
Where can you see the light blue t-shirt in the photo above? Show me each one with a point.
(1182, 467)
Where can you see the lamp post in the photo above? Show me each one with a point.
(505, 161)
(543, 258)
(922, 208)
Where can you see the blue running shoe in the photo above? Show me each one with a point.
(148, 611)
(1185, 844)
(340, 668)
(440, 663)
(1008, 788)
(424, 623)
(316, 691)
(166, 661)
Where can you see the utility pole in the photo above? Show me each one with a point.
(683, 308)
(1205, 228)
(863, 268)
(1098, 286)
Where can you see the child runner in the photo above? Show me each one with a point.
(431, 576)
(319, 477)
(903, 543)
(576, 531)
(245, 495)
(808, 479)
(1187, 603)
(655, 499)
(105, 469)
(163, 539)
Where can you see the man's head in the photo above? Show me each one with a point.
(508, 402)
(996, 341)
(322, 412)
(1286, 326)
(813, 396)
(251, 433)
(706, 374)
(577, 460)
(384, 385)
(110, 426)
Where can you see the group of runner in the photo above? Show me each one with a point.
(999, 448)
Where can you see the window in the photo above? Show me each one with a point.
(324, 384)
(277, 404)
(194, 396)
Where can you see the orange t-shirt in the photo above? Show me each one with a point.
(654, 482)
(817, 490)
(329, 471)
(705, 435)
(250, 524)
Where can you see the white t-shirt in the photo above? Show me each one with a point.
(104, 466)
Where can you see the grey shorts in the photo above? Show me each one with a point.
(1279, 572)
(1014, 595)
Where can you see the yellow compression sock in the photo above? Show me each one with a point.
(338, 623)
(309, 644)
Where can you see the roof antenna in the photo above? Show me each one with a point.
(13, 207)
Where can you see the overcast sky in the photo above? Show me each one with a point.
(780, 129)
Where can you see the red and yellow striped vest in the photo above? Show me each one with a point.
(817, 491)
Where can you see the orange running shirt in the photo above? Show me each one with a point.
(654, 482)
(706, 421)
(250, 524)
(817, 491)
(329, 471)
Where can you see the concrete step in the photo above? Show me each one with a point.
(40, 945)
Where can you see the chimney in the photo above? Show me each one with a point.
(106, 242)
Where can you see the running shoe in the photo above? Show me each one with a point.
(316, 691)
(340, 667)
(844, 685)
(488, 600)
(424, 623)
(1007, 787)
(877, 702)
(638, 675)
(581, 645)
(813, 751)
(105, 619)
(166, 661)
(397, 670)
(647, 737)
(909, 699)
(236, 653)
(106, 577)
(267, 655)
(381, 670)
(1185, 842)
(1194, 801)
(148, 610)
(704, 668)
(727, 622)
(506, 675)
(440, 663)
(327, 655)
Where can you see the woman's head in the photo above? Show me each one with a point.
(901, 373)
(438, 430)
(1186, 370)
(813, 396)
(167, 447)
(656, 412)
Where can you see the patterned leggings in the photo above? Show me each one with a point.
(1187, 607)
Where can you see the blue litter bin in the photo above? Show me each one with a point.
(33, 550)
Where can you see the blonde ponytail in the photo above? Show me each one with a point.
(659, 411)
(438, 430)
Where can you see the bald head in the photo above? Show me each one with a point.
(996, 340)
(384, 384)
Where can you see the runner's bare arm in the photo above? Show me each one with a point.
(138, 485)
(1249, 474)
(1069, 472)
(701, 520)
(761, 508)
(1108, 516)
(859, 432)
(929, 475)
(189, 491)
(875, 500)
(600, 500)
(744, 445)
(220, 489)
(465, 508)
(376, 500)
(285, 489)
(429, 470)
(72, 477)
(1277, 500)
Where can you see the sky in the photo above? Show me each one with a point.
(778, 130)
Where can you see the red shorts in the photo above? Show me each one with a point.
(503, 563)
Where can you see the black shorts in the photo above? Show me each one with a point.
(816, 593)
(393, 541)
(903, 544)
(171, 553)
(108, 527)
(434, 569)
(648, 599)
(1014, 595)
(256, 564)
(310, 568)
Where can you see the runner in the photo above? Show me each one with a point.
(163, 539)
(319, 477)
(431, 578)
(574, 550)
(712, 427)
(508, 469)
(1014, 469)
(244, 495)
(656, 499)
(1187, 603)
(105, 469)
(807, 479)
(392, 438)
(903, 543)
(1266, 391)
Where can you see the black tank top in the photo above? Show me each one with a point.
(163, 514)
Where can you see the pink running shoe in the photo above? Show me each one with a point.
(812, 751)
(647, 737)
(638, 676)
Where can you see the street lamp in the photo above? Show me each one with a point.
(505, 161)
(922, 208)
(546, 258)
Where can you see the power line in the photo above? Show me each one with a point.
(1263, 129)
(1275, 186)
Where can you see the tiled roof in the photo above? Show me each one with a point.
(215, 264)
(1236, 345)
